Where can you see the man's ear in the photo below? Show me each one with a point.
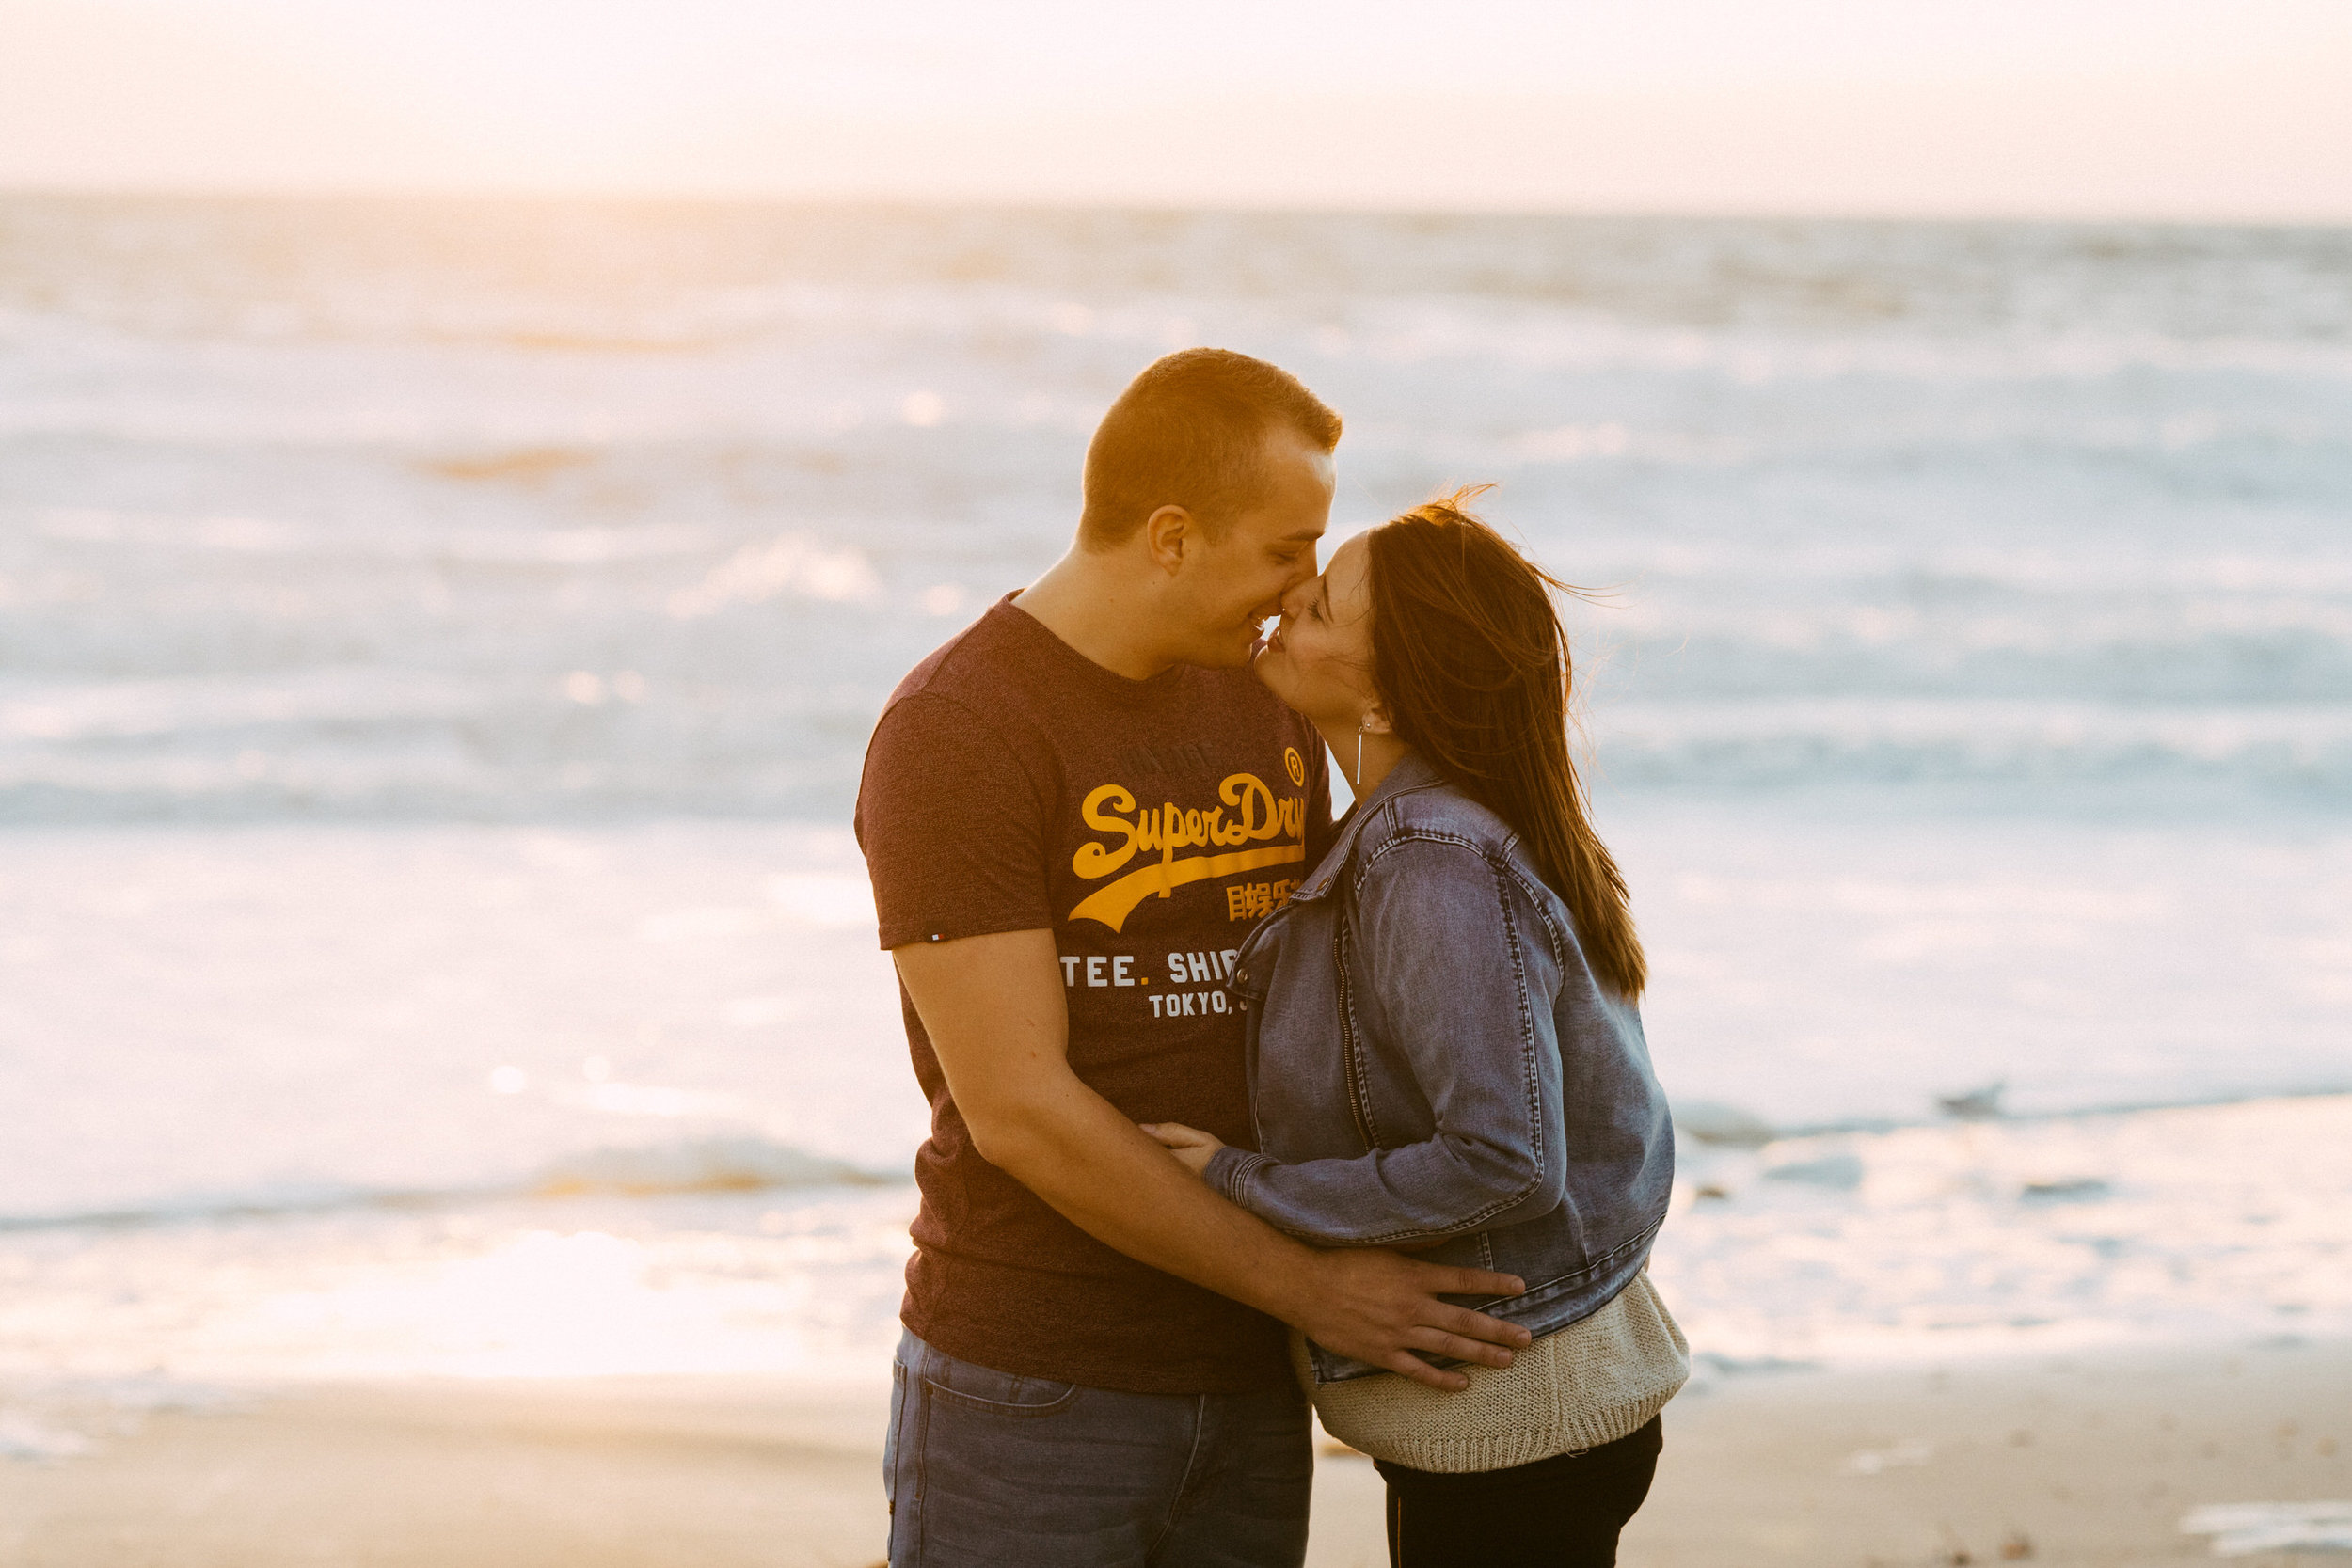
(1167, 534)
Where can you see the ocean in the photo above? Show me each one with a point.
(437, 640)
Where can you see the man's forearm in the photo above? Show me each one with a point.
(1074, 1150)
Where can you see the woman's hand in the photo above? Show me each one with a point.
(1188, 1143)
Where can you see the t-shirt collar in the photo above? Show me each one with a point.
(1109, 682)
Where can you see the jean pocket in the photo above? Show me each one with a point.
(992, 1392)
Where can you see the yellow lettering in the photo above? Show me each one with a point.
(1093, 860)
(1256, 805)
(1257, 813)
(1113, 902)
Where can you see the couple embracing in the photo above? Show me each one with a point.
(1233, 1109)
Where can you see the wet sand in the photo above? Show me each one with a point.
(2081, 1460)
(2089, 1459)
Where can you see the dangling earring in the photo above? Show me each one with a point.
(1355, 780)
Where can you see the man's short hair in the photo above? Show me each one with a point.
(1190, 432)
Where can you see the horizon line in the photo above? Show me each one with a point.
(884, 201)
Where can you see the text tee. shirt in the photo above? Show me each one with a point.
(1013, 785)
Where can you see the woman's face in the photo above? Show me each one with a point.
(1319, 659)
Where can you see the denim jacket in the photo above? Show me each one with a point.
(1433, 1061)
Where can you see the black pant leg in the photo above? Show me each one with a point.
(1561, 1512)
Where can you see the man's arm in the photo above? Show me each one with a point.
(995, 1010)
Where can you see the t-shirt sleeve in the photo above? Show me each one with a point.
(951, 826)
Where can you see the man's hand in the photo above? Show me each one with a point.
(1378, 1307)
(1188, 1143)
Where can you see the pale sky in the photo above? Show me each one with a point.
(2155, 109)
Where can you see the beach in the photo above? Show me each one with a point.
(2081, 1460)
(458, 1112)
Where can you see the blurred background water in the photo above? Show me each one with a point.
(437, 640)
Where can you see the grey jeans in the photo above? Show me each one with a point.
(983, 1467)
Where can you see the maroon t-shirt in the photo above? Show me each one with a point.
(1014, 784)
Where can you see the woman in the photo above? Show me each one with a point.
(1445, 1052)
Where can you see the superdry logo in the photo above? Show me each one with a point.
(1251, 813)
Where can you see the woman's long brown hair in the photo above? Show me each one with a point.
(1472, 660)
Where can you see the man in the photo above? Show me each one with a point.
(1073, 813)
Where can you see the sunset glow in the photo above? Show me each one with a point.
(2090, 108)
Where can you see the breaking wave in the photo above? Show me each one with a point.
(728, 1163)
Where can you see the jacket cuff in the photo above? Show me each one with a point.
(1229, 1170)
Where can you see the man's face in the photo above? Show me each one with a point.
(1230, 585)
(1320, 659)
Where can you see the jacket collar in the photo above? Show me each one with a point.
(1412, 773)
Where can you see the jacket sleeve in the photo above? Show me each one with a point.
(1466, 979)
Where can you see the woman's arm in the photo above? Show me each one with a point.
(1465, 976)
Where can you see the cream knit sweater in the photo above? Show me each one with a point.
(1600, 1379)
